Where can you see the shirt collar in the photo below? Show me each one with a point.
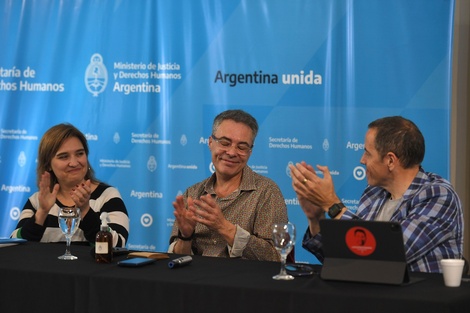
(247, 183)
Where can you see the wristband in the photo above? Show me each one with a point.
(180, 236)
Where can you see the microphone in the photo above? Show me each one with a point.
(185, 260)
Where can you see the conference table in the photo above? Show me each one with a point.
(32, 279)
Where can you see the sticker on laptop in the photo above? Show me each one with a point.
(360, 241)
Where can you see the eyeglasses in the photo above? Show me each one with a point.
(242, 148)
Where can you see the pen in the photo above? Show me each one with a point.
(185, 260)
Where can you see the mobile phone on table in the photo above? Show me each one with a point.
(120, 251)
(299, 269)
(136, 262)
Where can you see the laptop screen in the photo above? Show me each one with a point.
(364, 251)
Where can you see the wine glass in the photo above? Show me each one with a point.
(284, 241)
(69, 218)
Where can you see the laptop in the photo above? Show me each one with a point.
(364, 251)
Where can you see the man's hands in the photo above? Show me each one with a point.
(204, 210)
(316, 195)
(184, 217)
(307, 184)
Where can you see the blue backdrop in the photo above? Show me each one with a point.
(144, 80)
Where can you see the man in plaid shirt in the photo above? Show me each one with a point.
(399, 190)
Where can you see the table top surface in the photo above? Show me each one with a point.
(221, 280)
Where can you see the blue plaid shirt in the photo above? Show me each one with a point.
(430, 215)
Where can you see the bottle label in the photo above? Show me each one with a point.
(101, 248)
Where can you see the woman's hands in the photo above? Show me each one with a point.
(46, 197)
(81, 196)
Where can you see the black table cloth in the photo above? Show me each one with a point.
(32, 279)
